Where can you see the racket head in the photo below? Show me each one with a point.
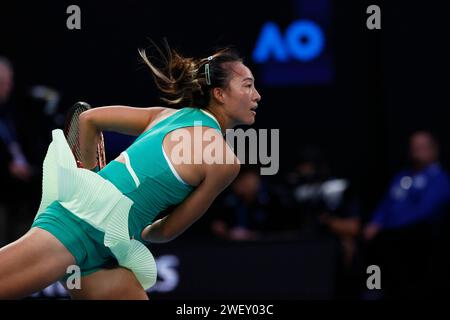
(71, 132)
(101, 158)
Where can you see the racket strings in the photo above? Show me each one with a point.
(72, 134)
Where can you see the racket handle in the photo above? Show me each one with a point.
(79, 164)
(95, 169)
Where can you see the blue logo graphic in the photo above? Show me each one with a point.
(300, 54)
(303, 40)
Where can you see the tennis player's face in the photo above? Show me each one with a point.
(241, 96)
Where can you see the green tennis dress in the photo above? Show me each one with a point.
(99, 217)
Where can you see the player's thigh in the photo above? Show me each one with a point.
(31, 263)
(110, 284)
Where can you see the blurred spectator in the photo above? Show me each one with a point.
(243, 213)
(14, 159)
(342, 221)
(326, 207)
(21, 189)
(304, 184)
(415, 194)
(14, 166)
(402, 226)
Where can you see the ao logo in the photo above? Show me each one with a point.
(168, 275)
(303, 41)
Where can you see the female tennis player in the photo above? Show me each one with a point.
(101, 221)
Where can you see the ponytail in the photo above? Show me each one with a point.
(187, 81)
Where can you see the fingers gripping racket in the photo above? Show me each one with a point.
(71, 132)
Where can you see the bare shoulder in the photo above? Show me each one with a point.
(164, 110)
(160, 113)
(209, 145)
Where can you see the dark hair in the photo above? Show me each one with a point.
(183, 80)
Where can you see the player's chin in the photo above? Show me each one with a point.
(249, 120)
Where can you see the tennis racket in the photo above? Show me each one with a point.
(71, 132)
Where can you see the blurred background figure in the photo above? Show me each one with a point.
(14, 167)
(305, 186)
(341, 221)
(27, 117)
(406, 224)
(17, 163)
(325, 207)
(356, 98)
(244, 212)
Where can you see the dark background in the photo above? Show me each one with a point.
(387, 83)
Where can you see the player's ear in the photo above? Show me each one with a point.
(219, 95)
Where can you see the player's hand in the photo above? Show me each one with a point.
(80, 164)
